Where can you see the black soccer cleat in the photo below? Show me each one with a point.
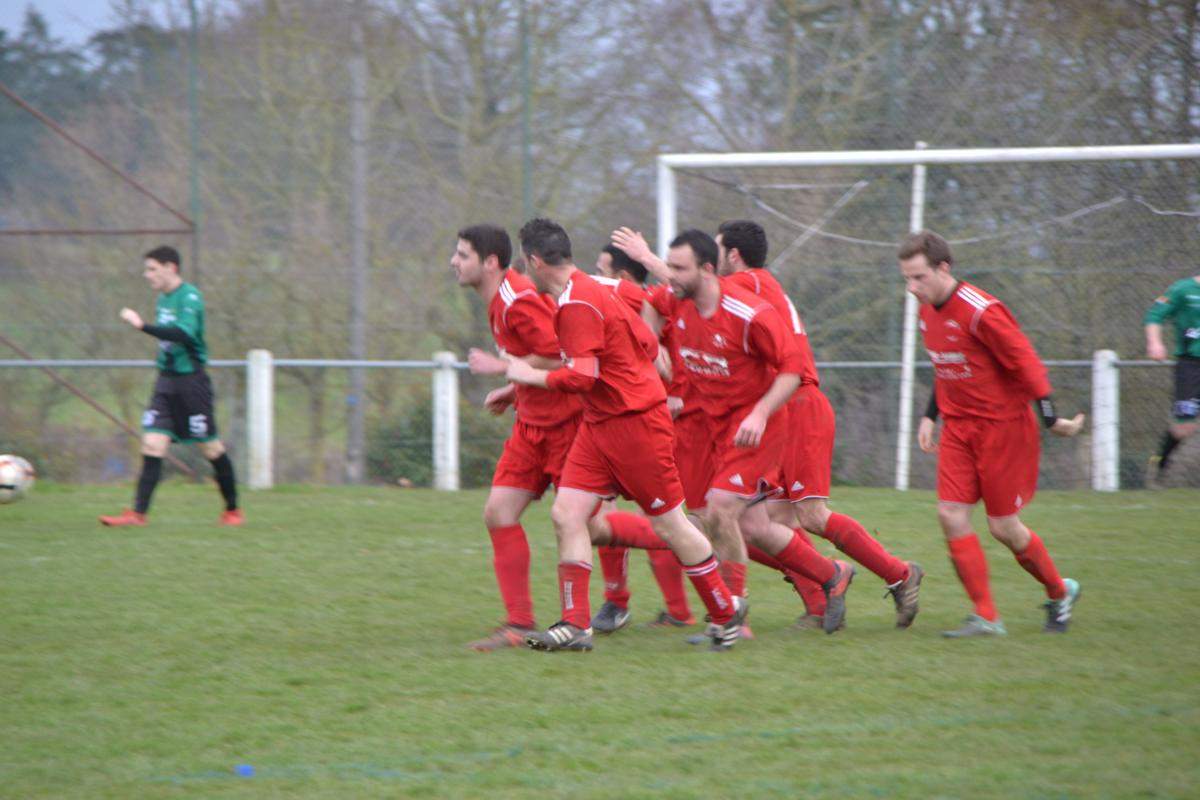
(560, 636)
(904, 593)
(1058, 612)
(610, 618)
(724, 637)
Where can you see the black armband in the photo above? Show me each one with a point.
(1046, 409)
(171, 333)
(931, 410)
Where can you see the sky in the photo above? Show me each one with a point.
(70, 20)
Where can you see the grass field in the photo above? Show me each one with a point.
(323, 645)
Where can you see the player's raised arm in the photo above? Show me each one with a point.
(634, 245)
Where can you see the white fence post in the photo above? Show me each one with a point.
(260, 418)
(1106, 422)
(908, 350)
(445, 422)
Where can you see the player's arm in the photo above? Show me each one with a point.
(581, 337)
(926, 436)
(169, 333)
(1007, 342)
(770, 340)
(527, 335)
(498, 400)
(635, 246)
(1163, 308)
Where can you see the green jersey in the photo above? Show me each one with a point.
(1180, 304)
(182, 309)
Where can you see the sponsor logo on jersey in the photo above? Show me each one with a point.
(947, 357)
(658, 503)
(704, 363)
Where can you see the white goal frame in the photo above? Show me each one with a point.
(1105, 451)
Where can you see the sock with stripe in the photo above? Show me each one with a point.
(715, 595)
(573, 577)
(614, 566)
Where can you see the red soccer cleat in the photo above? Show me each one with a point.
(234, 517)
(127, 517)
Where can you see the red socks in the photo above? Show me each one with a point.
(809, 590)
(852, 539)
(573, 589)
(511, 561)
(969, 562)
(614, 564)
(712, 590)
(800, 556)
(1037, 563)
(734, 575)
(669, 574)
(633, 530)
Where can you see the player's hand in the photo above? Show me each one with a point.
(519, 371)
(498, 400)
(1156, 351)
(750, 432)
(633, 243)
(675, 406)
(1067, 427)
(132, 317)
(926, 435)
(482, 362)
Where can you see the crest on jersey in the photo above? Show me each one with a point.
(718, 340)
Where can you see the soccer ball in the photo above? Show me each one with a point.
(16, 478)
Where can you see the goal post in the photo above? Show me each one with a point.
(918, 159)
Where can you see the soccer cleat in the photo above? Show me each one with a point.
(835, 594)
(975, 625)
(504, 636)
(127, 517)
(1058, 612)
(810, 622)
(561, 635)
(724, 637)
(904, 594)
(610, 618)
(710, 630)
(234, 518)
(665, 620)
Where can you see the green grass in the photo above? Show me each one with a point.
(323, 644)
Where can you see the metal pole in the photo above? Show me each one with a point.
(193, 139)
(908, 352)
(355, 430)
(667, 210)
(526, 120)
(1106, 422)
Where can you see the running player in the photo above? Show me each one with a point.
(1181, 305)
(182, 406)
(623, 446)
(986, 374)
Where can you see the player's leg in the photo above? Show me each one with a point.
(570, 513)
(721, 521)
(1185, 409)
(222, 466)
(796, 553)
(158, 429)
(811, 593)
(614, 567)
(510, 561)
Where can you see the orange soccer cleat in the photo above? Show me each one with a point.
(127, 517)
(234, 517)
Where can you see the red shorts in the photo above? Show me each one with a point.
(993, 459)
(533, 456)
(631, 455)
(695, 457)
(808, 463)
(750, 472)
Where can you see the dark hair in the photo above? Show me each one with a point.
(489, 240)
(621, 261)
(748, 238)
(935, 248)
(547, 240)
(703, 245)
(165, 255)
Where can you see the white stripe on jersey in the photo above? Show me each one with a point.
(565, 297)
(606, 281)
(973, 297)
(737, 308)
(507, 294)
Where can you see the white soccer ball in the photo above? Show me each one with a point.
(16, 478)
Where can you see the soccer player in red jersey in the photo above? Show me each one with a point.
(743, 364)
(986, 374)
(628, 278)
(624, 443)
(522, 322)
(808, 464)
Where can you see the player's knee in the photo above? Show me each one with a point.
(955, 520)
(495, 515)
(155, 445)
(812, 518)
(1010, 531)
(213, 449)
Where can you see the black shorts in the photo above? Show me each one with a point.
(1187, 389)
(182, 408)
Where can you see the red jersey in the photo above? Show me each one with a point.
(628, 292)
(608, 352)
(982, 363)
(731, 358)
(765, 285)
(663, 301)
(523, 324)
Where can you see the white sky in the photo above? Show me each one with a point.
(72, 21)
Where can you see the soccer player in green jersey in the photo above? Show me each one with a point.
(1181, 305)
(181, 408)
